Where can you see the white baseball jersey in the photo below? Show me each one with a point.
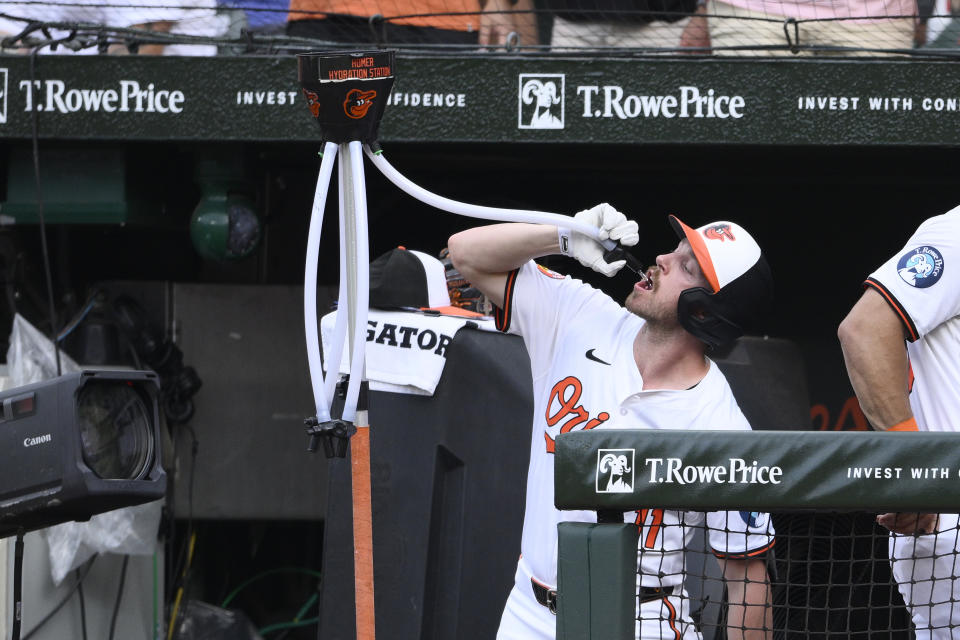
(580, 344)
(922, 285)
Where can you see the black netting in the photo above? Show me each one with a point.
(567, 27)
(825, 575)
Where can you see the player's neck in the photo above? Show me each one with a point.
(669, 359)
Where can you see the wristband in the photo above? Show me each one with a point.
(563, 239)
(910, 424)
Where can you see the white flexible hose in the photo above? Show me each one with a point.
(310, 283)
(355, 157)
(476, 211)
(323, 386)
(335, 356)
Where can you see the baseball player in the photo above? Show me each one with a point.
(596, 364)
(914, 298)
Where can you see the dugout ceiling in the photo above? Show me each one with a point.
(521, 99)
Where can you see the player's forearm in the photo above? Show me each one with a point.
(749, 602)
(484, 255)
(871, 337)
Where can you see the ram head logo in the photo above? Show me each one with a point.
(617, 466)
(544, 95)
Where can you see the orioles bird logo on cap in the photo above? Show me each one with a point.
(313, 101)
(358, 103)
(719, 232)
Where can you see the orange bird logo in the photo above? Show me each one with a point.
(358, 103)
(719, 232)
(313, 101)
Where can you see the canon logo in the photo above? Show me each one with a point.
(30, 442)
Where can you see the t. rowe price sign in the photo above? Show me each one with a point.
(486, 98)
(55, 95)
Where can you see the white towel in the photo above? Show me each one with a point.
(406, 351)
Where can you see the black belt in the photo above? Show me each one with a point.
(545, 595)
(548, 597)
(655, 593)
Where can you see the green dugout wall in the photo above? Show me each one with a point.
(771, 471)
(480, 99)
(761, 470)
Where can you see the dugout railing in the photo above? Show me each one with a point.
(828, 569)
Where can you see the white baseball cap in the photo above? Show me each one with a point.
(724, 250)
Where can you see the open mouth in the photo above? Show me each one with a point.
(646, 283)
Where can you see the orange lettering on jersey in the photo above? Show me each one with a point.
(653, 529)
(567, 393)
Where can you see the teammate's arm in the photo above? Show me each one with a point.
(749, 602)
(871, 337)
(484, 255)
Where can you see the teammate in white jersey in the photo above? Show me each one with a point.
(914, 298)
(596, 364)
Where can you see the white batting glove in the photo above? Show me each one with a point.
(612, 225)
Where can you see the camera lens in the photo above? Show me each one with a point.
(115, 430)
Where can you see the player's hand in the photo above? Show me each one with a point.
(909, 524)
(500, 18)
(613, 225)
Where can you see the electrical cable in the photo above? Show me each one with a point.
(306, 607)
(181, 557)
(280, 570)
(155, 600)
(263, 574)
(83, 605)
(17, 585)
(77, 319)
(186, 551)
(43, 227)
(288, 625)
(175, 612)
(63, 601)
(301, 613)
(296, 622)
(116, 606)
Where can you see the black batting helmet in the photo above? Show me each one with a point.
(741, 286)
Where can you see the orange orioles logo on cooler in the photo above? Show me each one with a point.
(358, 103)
(564, 406)
(313, 101)
(719, 232)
